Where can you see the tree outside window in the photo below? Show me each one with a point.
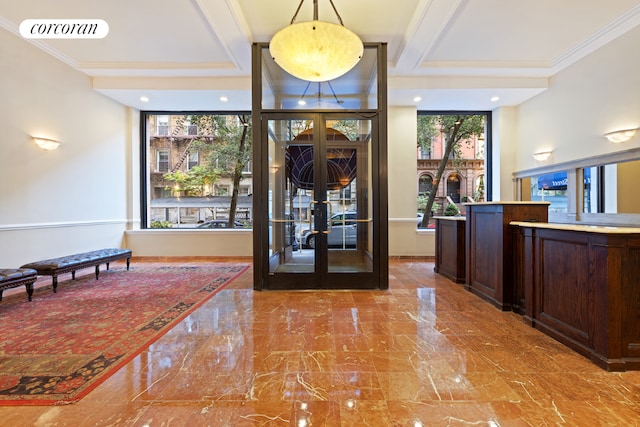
(454, 144)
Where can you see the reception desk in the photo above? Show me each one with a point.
(581, 286)
(490, 251)
(450, 247)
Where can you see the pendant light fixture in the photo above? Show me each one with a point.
(316, 51)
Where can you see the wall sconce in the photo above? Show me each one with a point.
(541, 156)
(620, 135)
(46, 143)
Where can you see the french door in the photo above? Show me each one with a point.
(318, 206)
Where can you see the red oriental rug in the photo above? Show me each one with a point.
(58, 347)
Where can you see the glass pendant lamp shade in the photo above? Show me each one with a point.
(316, 51)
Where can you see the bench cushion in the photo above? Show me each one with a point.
(48, 266)
(14, 277)
(13, 274)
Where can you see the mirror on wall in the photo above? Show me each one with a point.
(598, 190)
(611, 188)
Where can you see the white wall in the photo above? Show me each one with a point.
(404, 238)
(599, 94)
(190, 243)
(57, 202)
(504, 147)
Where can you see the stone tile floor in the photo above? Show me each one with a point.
(424, 353)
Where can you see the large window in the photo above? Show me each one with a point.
(192, 163)
(451, 151)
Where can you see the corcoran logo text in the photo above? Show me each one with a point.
(64, 29)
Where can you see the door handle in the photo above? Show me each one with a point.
(329, 224)
(311, 230)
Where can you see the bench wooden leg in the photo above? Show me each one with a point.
(29, 291)
(97, 271)
(73, 275)
(55, 284)
(107, 266)
(128, 260)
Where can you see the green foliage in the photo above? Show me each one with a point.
(222, 142)
(195, 181)
(427, 131)
(348, 127)
(422, 204)
(458, 129)
(451, 210)
(160, 224)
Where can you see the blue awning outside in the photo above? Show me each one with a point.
(558, 180)
(553, 181)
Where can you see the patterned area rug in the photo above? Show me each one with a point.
(59, 347)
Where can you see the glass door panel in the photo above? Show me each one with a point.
(291, 196)
(320, 214)
(349, 229)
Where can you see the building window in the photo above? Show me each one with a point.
(162, 125)
(193, 160)
(424, 153)
(453, 188)
(162, 161)
(247, 168)
(160, 192)
(222, 190)
(425, 185)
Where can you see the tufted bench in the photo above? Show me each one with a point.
(14, 277)
(70, 263)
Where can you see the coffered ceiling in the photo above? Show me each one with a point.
(453, 54)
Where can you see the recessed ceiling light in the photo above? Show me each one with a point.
(302, 102)
(224, 98)
(417, 99)
(495, 98)
(144, 99)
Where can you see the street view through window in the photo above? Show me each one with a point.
(451, 165)
(199, 170)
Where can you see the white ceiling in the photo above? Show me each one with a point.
(454, 54)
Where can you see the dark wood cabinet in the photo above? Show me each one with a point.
(450, 247)
(490, 249)
(582, 287)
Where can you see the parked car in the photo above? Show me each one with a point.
(344, 231)
(220, 223)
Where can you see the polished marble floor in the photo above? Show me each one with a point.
(424, 353)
